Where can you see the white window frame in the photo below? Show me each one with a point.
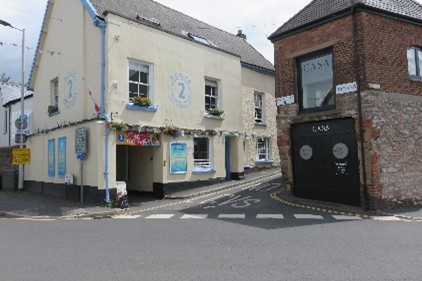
(263, 151)
(259, 108)
(214, 95)
(203, 164)
(416, 60)
(137, 66)
(316, 81)
(54, 84)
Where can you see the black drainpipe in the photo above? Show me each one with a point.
(359, 96)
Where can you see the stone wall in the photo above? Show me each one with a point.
(254, 130)
(395, 147)
(6, 158)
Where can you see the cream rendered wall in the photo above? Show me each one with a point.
(70, 48)
(218, 157)
(70, 52)
(254, 81)
(172, 55)
(37, 170)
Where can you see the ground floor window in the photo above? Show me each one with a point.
(201, 153)
(263, 152)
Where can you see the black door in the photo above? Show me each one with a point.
(325, 162)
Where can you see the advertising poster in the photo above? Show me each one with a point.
(61, 158)
(178, 158)
(51, 157)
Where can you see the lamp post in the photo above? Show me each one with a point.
(20, 182)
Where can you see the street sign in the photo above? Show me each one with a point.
(18, 138)
(21, 156)
(68, 178)
(80, 140)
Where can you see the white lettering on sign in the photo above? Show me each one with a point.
(285, 100)
(346, 88)
(320, 128)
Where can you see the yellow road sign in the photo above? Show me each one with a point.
(21, 156)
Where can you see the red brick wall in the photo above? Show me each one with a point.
(382, 45)
(383, 53)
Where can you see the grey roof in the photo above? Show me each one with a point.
(322, 9)
(176, 23)
(10, 93)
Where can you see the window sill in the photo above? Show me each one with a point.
(264, 162)
(415, 78)
(262, 124)
(53, 113)
(203, 171)
(210, 116)
(151, 108)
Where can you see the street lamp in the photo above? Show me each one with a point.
(2, 22)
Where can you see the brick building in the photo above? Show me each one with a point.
(349, 88)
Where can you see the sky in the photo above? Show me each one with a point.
(257, 19)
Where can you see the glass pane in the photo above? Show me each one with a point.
(133, 75)
(411, 61)
(420, 62)
(317, 82)
(144, 77)
(201, 149)
(143, 90)
(133, 89)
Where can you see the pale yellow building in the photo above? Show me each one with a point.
(145, 97)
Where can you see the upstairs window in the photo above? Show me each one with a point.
(316, 83)
(53, 108)
(211, 94)
(259, 117)
(140, 80)
(414, 62)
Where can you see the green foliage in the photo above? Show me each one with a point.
(52, 109)
(215, 111)
(142, 101)
(117, 126)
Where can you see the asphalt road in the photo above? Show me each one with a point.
(233, 235)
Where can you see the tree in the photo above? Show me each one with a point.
(5, 79)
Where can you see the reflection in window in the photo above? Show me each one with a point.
(201, 153)
(414, 61)
(316, 81)
(259, 108)
(139, 80)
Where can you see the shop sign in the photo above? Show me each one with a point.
(21, 156)
(135, 138)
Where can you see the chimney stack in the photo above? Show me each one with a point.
(240, 34)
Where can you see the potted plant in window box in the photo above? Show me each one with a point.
(142, 101)
(215, 111)
(171, 130)
(52, 109)
(117, 127)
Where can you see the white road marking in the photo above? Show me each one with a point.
(127, 216)
(197, 216)
(308, 216)
(269, 216)
(160, 216)
(231, 216)
(343, 217)
(386, 218)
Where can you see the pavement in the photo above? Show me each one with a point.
(25, 204)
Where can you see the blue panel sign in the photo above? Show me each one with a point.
(178, 158)
(51, 157)
(61, 158)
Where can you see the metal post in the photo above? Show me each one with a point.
(82, 182)
(21, 177)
